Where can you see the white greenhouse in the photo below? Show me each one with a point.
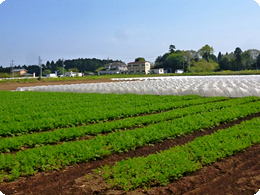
(207, 86)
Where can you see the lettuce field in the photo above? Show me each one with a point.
(90, 143)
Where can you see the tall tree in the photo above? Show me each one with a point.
(172, 48)
(254, 53)
(258, 62)
(205, 52)
(53, 66)
(219, 57)
(238, 58)
(247, 60)
(175, 61)
(190, 55)
(48, 65)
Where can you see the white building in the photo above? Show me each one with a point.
(139, 67)
(52, 75)
(157, 71)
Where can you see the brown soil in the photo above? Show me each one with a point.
(13, 86)
(238, 174)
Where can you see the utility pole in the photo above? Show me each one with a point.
(40, 65)
(12, 68)
(63, 65)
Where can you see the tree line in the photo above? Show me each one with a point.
(75, 65)
(204, 60)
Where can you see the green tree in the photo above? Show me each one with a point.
(204, 66)
(238, 58)
(139, 59)
(205, 52)
(190, 55)
(60, 70)
(59, 63)
(252, 61)
(247, 60)
(172, 48)
(225, 64)
(46, 71)
(175, 61)
(98, 69)
(53, 66)
(48, 65)
(258, 62)
(219, 57)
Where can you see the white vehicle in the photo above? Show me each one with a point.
(52, 75)
(73, 74)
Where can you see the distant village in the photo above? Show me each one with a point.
(173, 61)
(137, 67)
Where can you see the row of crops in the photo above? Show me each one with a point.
(99, 125)
(33, 111)
(31, 140)
(169, 165)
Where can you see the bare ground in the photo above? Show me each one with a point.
(14, 86)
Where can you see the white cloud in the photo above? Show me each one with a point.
(0, 191)
(258, 193)
(258, 1)
(1, 1)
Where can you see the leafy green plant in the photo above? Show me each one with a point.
(50, 157)
(172, 164)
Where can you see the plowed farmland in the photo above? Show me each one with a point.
(68, 143)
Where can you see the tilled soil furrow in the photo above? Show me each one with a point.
(238, 175)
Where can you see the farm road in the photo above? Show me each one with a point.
(14, 86)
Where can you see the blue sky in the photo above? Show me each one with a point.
(123, 29)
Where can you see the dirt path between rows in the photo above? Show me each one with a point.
(14, 86)
(239, 174)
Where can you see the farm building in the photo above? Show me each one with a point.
(52, 75)
(139, 67)
(20, 71)
(157, 71)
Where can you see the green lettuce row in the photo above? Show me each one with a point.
(68, 119)
(45, 158)
(16, 143)
(169, 165)
(39, 102)
(43, 111)
(39, 105)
